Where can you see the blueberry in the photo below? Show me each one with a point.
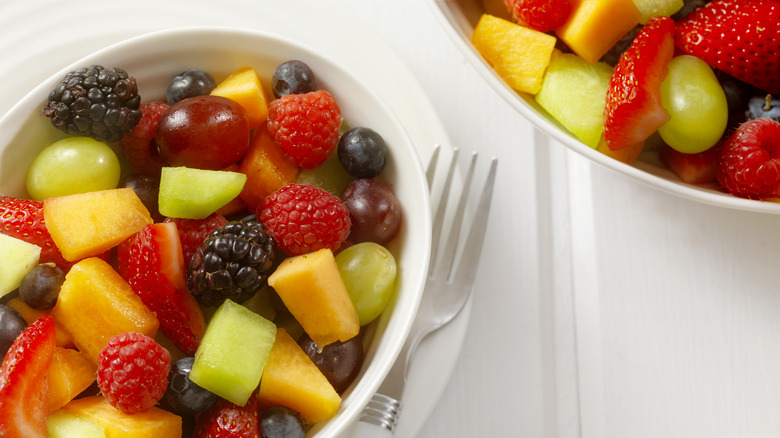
(184, 396)
(189, 83)
(11, 326)
(281, 422)
(40, 288)
(292, 77)
(362, 152)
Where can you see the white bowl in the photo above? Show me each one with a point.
(459, 17)
(154, 58)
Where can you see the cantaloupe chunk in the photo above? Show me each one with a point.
(154, 423)
(594, 26)
(291, 379)
(627, 155)
(96, 303)
(64, 339)
(266, 169)
(70, 373)
(244, 86)
(519, 55)
(311, 287)
(89, 224)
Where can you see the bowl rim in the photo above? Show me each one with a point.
(453, 20)
(400, 324)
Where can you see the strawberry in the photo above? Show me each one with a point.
(192, 232)
(541, 15)
(23, 219)
(633, 108)
(152, 263)
(739, 37)
(692, 168)
(750, 160)
(228, 420)
(24, 385)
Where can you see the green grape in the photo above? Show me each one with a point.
(369, 271)
(72, 165)
(694, 99)
(329, 176)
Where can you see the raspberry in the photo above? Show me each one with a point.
(192, 232)
(542, 15)
(750, 160)
(306, 127)
(303, 218)
(133, 372)
(138, 145)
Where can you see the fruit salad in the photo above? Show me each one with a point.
(693, 83)
(204, 263)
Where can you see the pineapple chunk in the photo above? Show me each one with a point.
(89, 224)
(594, 26)
(518, 54)
(291, 379)
(311, 287)
(96, 303)
(154, 423)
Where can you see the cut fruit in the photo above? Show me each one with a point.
(574, 93)
(651, 8)
(233, 352)
(17, 258)
(196, 193)
(312, 289)
(291, 379)
(153, 423)
(70, 373)
(90, 224)
(594, 26)
(518, 54)
(244, 86)
(64, 339)
(64, 424)
(266, 169)
(94, 288)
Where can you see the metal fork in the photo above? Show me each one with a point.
(447, 290)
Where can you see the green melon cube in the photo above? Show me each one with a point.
(574, 93)
(196, 193)
(17, 258)
(233, 352)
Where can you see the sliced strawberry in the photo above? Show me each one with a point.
(23, 219)
(152, 263)
(633, 107)
(24, 385)
(192, 232)
(692, 168)
(739, 37)
(228, 420)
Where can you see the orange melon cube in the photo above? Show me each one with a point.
(628, 154)
(519, 55)
(244, 86)
(291, 379)
(594, 26)
(64, 339)
(154, 423)
(89, 224)
(311, 287)
(96, 303)
(266, 169)
(70, 373)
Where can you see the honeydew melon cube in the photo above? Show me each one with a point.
(574, 93)
(17, 258)
(519, 55)
(230, 359)
(196, 193)
(154, 422)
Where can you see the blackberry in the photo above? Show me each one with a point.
(102, 103)
(234, 262)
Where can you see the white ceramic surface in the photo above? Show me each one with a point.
(154, 58)
(459, 17)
